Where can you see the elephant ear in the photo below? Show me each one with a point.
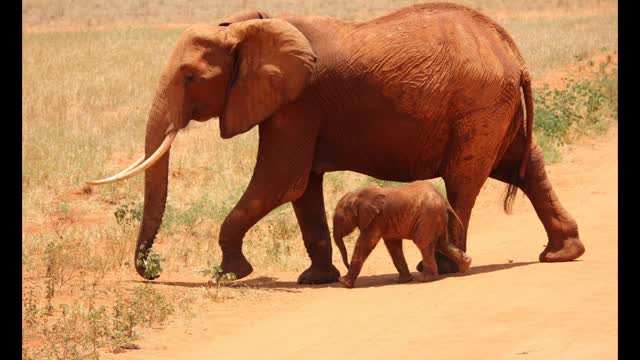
(274, 62)
(368, 205)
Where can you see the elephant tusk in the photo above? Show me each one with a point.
(138, 166)
(135, 163)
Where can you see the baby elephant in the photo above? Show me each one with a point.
(414, 211)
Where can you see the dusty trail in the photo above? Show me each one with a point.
(499, 310)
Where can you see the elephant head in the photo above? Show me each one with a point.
(356, 209)
(241, 73)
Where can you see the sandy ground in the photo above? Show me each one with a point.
(508, 306)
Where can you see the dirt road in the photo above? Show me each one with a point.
(508, 306)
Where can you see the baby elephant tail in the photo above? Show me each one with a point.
(455, 228)
(343, 250)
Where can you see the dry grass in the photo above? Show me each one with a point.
(85, 101)
(94, 12)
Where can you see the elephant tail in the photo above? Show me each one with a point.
(343, 250)
(528, 102)
(512, 188)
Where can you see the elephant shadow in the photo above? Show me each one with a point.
(368, 281)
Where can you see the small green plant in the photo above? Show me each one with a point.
(152, 264)
(217, 275)
(127, 214)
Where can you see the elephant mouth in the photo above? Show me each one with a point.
(141, 164)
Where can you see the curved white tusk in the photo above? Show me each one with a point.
(137, 168)
(135, 163)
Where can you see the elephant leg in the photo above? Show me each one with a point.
(309, 210)
(466, 169)
(562, 230)
(257, 201)
(461, 194)
(394, 246)
(366, 242)
(280, 176)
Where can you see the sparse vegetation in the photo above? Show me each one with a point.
(86, 98)
(586, 106)
(82, 329)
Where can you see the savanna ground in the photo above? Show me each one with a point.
(89, 73)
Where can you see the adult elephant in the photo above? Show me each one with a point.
(431, 90)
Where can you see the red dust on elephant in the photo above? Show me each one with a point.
(430, 90)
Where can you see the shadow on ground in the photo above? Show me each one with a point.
(273, 284)
(384, 279)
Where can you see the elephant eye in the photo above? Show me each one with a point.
(188, 78)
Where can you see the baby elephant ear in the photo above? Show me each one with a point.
(274, 62)
(369, 207)
(243, 16)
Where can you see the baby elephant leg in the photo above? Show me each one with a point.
(454, 253)
(364, 245)
(427, 246)
(395, 250)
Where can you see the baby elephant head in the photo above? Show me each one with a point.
(357, 208)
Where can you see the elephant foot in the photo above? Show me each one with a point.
(347, 282)
(563, 250)
(404, 279)
(237, 264)
(445, 265)
(317, 274)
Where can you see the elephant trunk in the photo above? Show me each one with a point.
(155, 181)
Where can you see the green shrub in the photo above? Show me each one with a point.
(583, 107)
(152, 264)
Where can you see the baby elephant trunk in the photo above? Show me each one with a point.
(338, 238)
